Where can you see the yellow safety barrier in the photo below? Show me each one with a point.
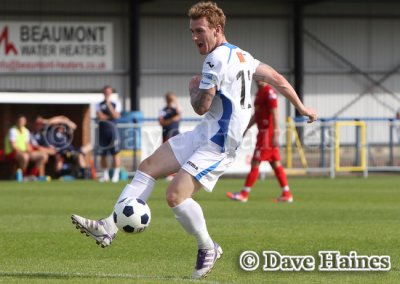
(363, 163)
(292, 129)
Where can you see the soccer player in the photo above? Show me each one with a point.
(200, 157)
(267, 147)
(169, 117)
(107, 112)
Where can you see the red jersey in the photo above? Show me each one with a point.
(266, 100)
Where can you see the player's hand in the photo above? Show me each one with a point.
(311, 114)
(275, 138)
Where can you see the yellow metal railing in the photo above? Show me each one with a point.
(363, 149)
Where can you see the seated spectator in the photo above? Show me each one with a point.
(54, 135)
(18, 148)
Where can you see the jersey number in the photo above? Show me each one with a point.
(240, 75)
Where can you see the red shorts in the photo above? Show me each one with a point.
(270, 154)
(10, 156)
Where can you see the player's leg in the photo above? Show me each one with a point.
(251, 178)
(39, 159)
(59, 162)
(190, 215)
(160, 163)
(116, 159)
(280, 174)
(202, 169)
(22, 159)
(104, 167)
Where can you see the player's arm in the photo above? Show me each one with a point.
(200, 99)
(114, 113)
(178, 116)
(61, 119)
(275, 121)
(161, 121)
(267, 74)
(251, 123)
(101, 115)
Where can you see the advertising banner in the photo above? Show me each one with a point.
(56, 46)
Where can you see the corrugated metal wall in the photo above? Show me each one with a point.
(371, 45)
(363, 34)
(169, 58)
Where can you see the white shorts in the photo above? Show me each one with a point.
(200, 157)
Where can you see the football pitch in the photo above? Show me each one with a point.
(38, 243)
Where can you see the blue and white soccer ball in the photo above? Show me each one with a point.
(132, 215)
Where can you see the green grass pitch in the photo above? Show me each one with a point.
(38, 243)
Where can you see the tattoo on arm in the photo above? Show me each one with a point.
(200, 101)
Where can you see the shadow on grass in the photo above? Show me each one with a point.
(66, 275)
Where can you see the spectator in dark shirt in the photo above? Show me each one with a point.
(108, 111)
(169, 117)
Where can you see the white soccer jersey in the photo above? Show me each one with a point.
(230, 70)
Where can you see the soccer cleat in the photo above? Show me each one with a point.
(285, 197)
(237, 196)
(94, 229)
(206, 259)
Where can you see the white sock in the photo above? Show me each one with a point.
(115, 174)
(190, 216)
(110, 226)
(285, 188)
(106, 175)
(141, 187)
(246, 188)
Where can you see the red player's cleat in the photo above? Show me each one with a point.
(237, 196)
(285, 197)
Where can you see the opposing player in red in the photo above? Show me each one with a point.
(267, 147)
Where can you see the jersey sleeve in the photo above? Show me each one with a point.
(98, 108)
(162, 113)
(118, 107)
(12, 135)
(212, 72)
(254, 64)
(33, 141)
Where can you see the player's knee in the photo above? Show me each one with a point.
(255, 164)
(44, 157)
(145, 165)
(173, 198)
(148, 166)
(25, 157)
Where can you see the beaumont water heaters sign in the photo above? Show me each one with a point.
(51, 46)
